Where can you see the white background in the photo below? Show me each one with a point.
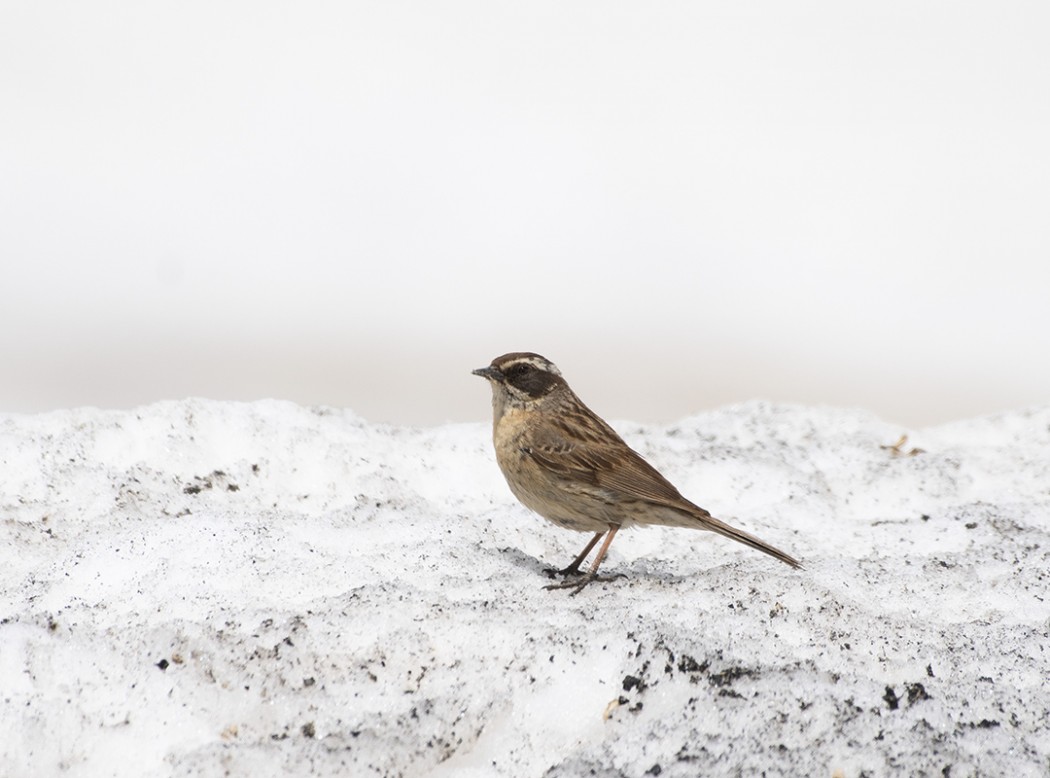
(683, 204)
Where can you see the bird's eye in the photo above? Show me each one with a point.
(519, 369)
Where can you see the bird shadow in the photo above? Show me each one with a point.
(520, 559)
(637, 571)
(642, 570)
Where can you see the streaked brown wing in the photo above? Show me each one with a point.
(591, 452)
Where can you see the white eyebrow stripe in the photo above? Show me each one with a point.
(540, 363)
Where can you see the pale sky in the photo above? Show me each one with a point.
(684, 205)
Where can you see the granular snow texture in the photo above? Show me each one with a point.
(213, 588)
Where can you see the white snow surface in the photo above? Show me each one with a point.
(216, 588)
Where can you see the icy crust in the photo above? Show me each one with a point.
(205, 588)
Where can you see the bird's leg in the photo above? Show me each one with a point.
(592, 574)
(574, 568)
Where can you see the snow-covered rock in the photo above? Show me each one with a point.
(261, 589)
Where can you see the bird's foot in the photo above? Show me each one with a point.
(578, 586)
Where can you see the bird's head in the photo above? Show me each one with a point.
(521, 378)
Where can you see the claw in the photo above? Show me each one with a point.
(578, 586)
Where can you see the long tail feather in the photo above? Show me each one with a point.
(709, 522)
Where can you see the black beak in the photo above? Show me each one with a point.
(491, 373)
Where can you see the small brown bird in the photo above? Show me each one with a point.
(562, 461)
